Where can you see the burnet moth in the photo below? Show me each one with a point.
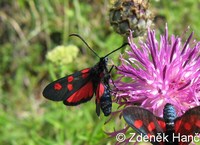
(172, 130)
(80, 87)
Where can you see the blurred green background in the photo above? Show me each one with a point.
(29, 29)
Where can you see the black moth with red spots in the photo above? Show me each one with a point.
(80, 87)
(173, 130)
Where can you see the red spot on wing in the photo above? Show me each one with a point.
(70, 79)
(100, 91)
(187, 126)
(83, 93)
(57, 86)
(85, 70)
(151, 126)
(138, 123)
(70, 87)
(85, 73)
(162, 124)
(197, 123)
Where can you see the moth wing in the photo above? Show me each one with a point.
(99, 93)
(188, 124)
(144, 122)
(103, 99)
(65, 87)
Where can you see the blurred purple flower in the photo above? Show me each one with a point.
(157, 73)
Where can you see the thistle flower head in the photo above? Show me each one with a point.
(131, 14)
(160, 72)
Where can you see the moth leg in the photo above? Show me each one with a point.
(113, 66)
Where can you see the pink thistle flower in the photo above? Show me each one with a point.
(160, 72)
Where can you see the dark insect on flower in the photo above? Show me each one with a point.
(80, 87)
(174, 130)
(134, 15)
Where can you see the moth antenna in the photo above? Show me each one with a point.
(76, 35)
(117, 49)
